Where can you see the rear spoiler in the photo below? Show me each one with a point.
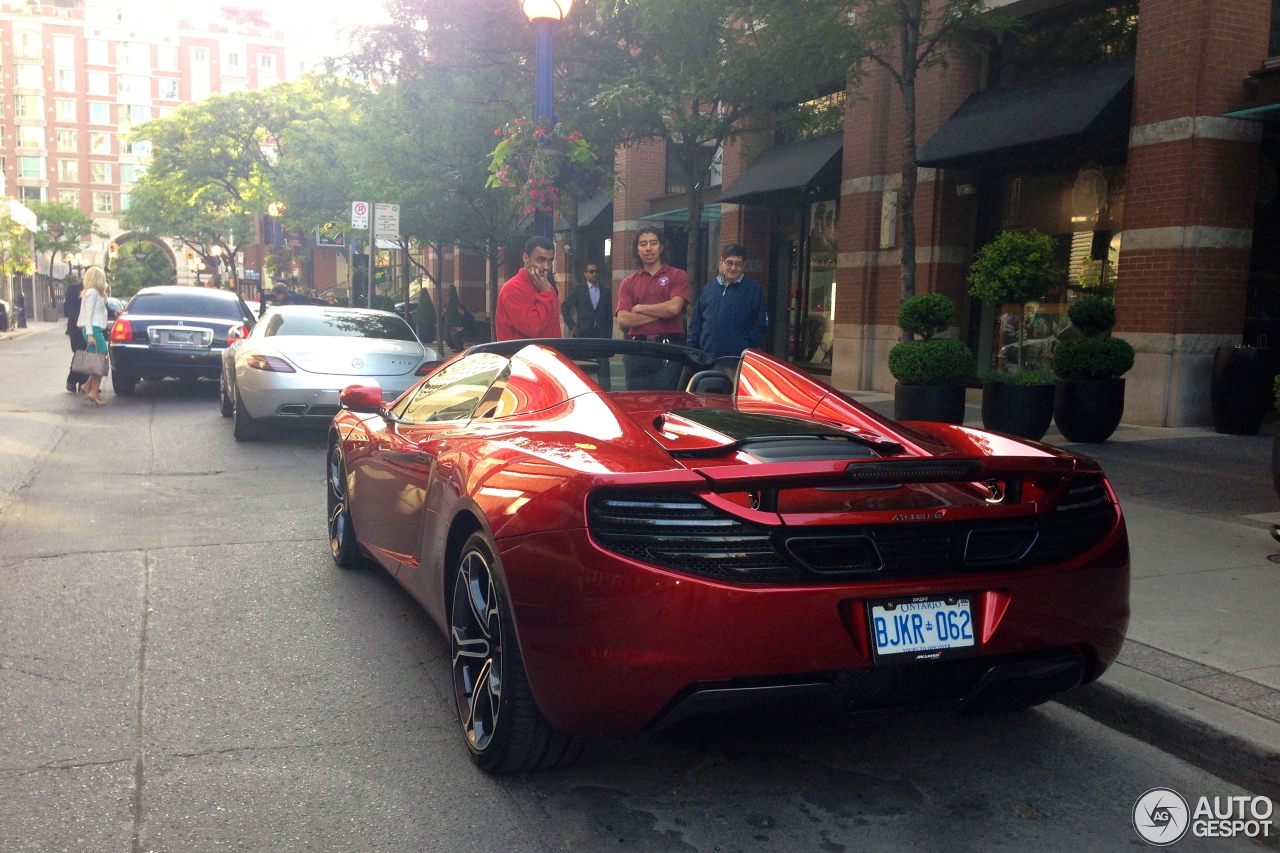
(886, 472)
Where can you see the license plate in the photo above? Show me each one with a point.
(180, 337)
(921, 627)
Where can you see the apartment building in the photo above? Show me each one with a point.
(76, 77)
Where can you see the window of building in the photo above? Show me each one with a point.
(30, 137)
(199, 89)
(100, 173)
(133, 85)
(200, 55)
(124, 201)
(99, 143)
(69, 171)
(231, 62)
(64, 52)
(134, 114)
(141, 147)
(99, 113)
(66, 110)
(1065, 38)
(33, 193)
(167, 57)
(30, 167)
(168, 89)
(1, 144)
(229, 86)
(26, 76)
(266, 69)
(676, 184)
(65, 79)
(96, 52)
(131, 172)
(28, 106)
(26, 44)
(99, 83)
(71, 197)
(68, 140)
(102, 203)
(133, 54)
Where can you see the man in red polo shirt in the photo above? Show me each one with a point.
(527, 304)
(650, 306)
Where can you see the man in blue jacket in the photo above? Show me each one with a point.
(730, 314)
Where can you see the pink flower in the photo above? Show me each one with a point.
(498, 132)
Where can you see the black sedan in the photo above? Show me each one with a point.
(176, 332)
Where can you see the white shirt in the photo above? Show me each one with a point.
(594, 290)
(93, 310)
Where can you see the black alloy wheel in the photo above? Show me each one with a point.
(226, 406)
(503, 728)
(343, 544)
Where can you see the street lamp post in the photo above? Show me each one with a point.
(544, 16)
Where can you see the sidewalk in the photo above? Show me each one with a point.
(33, 326)
(1199, 675)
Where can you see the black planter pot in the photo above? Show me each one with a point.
(1088, 410)
(939, 403)
(1021, 410)
(1240, 391)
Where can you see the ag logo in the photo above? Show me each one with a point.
(357, 363)
(1161, 817)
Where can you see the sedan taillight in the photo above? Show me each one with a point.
(269, 363)
(122, 330)
(237, 333)
(428, 366)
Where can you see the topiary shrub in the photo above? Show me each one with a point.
(1014, 267)
(926, 314)
(1092, 358)
(1092, 315)
(934, 362)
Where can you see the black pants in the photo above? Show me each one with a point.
(76, 334)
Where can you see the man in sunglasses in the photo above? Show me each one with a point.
(588, 313)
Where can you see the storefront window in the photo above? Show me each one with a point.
(816, 312)
(1083, 212)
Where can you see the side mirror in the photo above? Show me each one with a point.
(365, 399)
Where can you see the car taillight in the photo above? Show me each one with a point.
(269, 363)
(428, 366)
(237, 333)
(122, 330)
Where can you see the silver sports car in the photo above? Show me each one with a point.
(298, 357)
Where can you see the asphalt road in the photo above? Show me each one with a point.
(182, 668)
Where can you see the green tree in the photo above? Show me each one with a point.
(62, 226)
(141, 264)
(697, 73)
(904, 37)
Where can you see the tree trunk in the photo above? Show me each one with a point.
(695, 175)
(910, 42)
(576, 262)
(440, 331)
(491, 285)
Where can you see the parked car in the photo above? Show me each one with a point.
(291, 368)
(172, 331)
(7, 316)
(606, 562)
(115, 308)
(255, 306)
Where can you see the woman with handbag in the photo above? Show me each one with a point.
(93, 321)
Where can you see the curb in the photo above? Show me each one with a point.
(1229, 742)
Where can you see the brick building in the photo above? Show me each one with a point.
(1134, 133)
(76, 76)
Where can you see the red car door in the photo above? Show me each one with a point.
(393, 477)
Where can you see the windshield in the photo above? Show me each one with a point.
(194, 304)
(338, 324)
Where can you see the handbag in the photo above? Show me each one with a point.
(92, 363)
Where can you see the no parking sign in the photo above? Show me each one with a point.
(360, 214)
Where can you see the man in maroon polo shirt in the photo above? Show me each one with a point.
(650, 307)
(527, 304)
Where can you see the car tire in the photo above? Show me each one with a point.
(343, 544)
(501, 725)
(123, 384)
(226, 406)
(243, 427)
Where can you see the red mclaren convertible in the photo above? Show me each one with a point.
(700, 541)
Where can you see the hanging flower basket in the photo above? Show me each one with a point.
(540, 159)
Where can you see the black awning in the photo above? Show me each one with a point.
(783, 168)
(1091, 101)
(591, 208)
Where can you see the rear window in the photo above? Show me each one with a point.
(195, 304)
(338, 324)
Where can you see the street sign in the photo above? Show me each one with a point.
(360, 214)
(386, 220)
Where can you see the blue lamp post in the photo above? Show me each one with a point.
(545, 16)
